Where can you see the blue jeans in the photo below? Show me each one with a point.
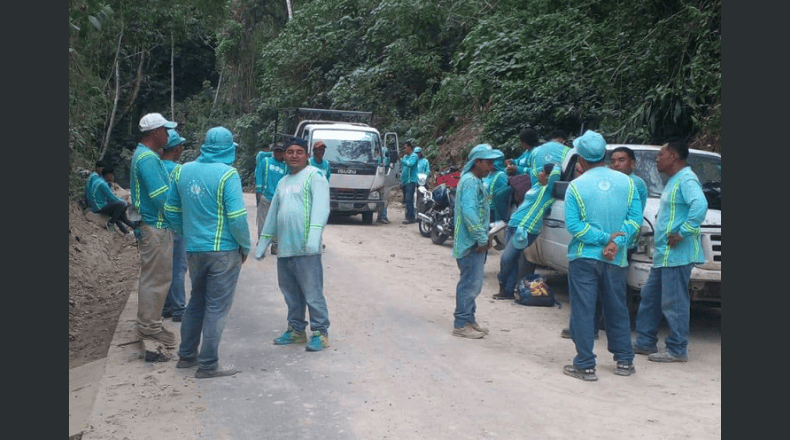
(214, 276)
(176, 296)
(509, 260)
(469, 286)
(666, 292)
(591, 280)
(408, 199)
(301, 280)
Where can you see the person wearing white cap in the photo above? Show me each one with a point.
(470, 239)
(602, 214)
(149, 183)
(206, 206)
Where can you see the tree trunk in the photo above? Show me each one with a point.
(111, 125)
(290, 9)
(172, 79)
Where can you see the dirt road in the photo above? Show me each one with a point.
(393, 369)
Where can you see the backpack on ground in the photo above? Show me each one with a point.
(532, 290)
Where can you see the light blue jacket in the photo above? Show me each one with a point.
(323, 167)
(597, 203)
(524, 162)
(550, 152)
(268, 172)
(423, 166)
(149, 186)
(297, 215)
(206, 203)
(409, 169)
(528, 218)
(472, 215)
(89, 187)
(682, 210)
(641, 188)
(101, 195)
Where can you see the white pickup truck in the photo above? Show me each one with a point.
(551, 248)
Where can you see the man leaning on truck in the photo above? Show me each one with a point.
(677, 249)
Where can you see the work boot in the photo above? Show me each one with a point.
(666, 356)
(164, 336)
(228, 370)
(477, 327)
(468, 331)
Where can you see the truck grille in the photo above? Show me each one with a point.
(715, 245)
(344, 194)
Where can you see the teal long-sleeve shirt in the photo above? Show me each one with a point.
(297, 215)
(206, 207)
(681, 211)
(323, 167)
(524, 162)
(641, 189)
(597, 203)
(268, 173)
(423, 167)
(101, 195)
(472, 215)
(409, 169)
(149, 186)
(528, 217)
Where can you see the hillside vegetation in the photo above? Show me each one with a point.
(639, 71)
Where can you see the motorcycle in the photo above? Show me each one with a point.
(423, 203)
(435, 213)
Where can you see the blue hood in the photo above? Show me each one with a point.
(218, 147)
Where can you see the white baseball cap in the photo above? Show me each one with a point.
(152, 121)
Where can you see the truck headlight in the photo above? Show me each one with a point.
(375, 195)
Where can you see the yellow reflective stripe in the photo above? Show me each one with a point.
(672, 213)
(171, 208)
(221, 208)
(236, 214)
(158, 192)
(307, 204)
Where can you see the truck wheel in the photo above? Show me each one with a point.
(437, 237)
(367, 218)
(425, 228)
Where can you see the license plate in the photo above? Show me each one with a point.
(346, 206)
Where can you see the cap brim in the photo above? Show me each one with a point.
(170, 124)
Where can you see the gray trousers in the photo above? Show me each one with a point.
(156, 273)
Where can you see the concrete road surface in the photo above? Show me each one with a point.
(394, 371)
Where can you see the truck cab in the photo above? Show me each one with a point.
(361, 161)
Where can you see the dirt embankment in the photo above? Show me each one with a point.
(103, 269)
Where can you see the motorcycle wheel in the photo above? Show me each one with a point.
(437, 237)
(425, 228)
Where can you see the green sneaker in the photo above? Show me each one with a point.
(291, 336)
(318, 342)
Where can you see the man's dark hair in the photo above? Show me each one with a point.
(680, 148)
(625, 150)
(107, 170)
(557, 134)
(100, 164)
(529, 137)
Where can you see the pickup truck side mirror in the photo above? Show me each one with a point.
(393, 156)
(559, 189)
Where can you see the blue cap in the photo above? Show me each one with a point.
(173, 139)
(482, 151)
(418, 150)
(591, 146)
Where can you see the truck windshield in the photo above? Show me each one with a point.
(707, 169)
(349, 147)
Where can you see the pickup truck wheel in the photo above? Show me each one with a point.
(367, 218)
